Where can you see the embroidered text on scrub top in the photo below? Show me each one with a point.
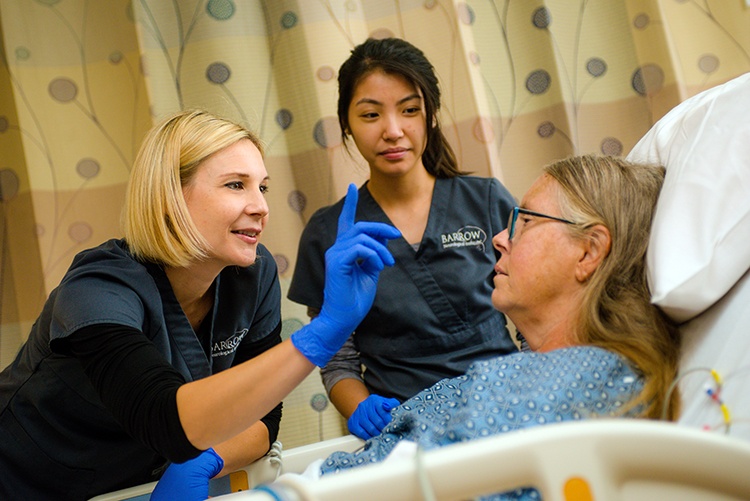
(227, 346)
(468, 236)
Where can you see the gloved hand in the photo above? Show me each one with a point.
(353, 265)
(188, 481)
(371, 416)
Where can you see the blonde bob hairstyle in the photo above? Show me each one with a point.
(156, 222)
(617, 313)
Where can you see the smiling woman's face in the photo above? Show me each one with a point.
(226, 200)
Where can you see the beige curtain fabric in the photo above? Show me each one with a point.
(524, 82)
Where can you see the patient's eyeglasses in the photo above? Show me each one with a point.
(518, 210)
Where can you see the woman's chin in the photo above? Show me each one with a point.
(497, 301)
(244, 260)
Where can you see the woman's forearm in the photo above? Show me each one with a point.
(215, 409)
(347, 394)
(244, 448)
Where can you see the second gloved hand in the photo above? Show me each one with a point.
(353, 265)
(371, 416)
(188, 481)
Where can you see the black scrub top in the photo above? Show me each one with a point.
(433, 312)
(57, 439)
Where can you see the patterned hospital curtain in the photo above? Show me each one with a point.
(524, 82)
(73, 108)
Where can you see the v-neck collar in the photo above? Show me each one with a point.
(180, 332)
(374, 212)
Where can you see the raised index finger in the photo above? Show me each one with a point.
(346, 219)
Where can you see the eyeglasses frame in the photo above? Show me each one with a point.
(519, 210)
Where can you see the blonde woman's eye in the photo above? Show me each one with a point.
(264, 189)
(235, 185)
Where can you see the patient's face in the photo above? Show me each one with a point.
(535, 276)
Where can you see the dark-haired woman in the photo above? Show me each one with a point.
(432, 314)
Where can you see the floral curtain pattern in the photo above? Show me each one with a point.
(524, 82)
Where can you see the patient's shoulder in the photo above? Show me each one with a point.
(575, 361)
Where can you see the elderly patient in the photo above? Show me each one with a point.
(572, 279)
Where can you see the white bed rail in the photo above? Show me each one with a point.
(591, 460)
(264, 470)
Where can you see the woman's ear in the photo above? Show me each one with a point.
(596, 246)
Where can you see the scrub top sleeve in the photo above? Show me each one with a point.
(345, 364)
(135, 383)
(308, 279)
(272, 420)
(95, 298)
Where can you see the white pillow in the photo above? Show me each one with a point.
(700, 240)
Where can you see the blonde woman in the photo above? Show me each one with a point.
(162, 350)
(432, 314)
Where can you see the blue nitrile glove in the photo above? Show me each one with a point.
(371, 416)
(188, 481)
(353, 264)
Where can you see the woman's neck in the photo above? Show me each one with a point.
(193, 288)
(549, 331)
(406, 201)
(398, 190)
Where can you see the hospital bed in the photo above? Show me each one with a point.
(263, 471)
(699, 257)
(583, 460)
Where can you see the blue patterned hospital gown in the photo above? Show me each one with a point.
(503, 394)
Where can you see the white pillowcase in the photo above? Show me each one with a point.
(700, 240)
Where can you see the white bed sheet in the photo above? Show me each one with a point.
(718, 339)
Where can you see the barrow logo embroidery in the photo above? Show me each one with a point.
(227, 346)
(468, 236)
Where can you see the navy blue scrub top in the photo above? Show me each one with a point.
(55, 432)
(433, 312)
